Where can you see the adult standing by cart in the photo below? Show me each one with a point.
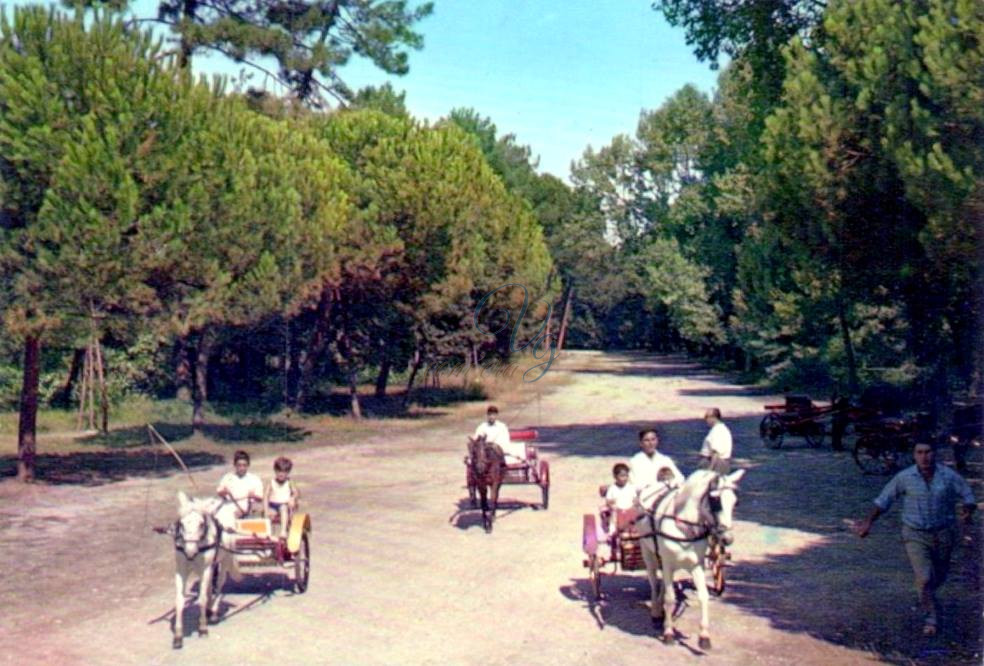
(715, 453)
(929, 494)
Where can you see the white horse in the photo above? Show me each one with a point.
(679, 524)
(203, 551)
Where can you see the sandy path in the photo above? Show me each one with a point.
(399, 576)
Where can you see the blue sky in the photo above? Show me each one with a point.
(558, 75)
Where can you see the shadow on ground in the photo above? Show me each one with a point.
(393, 405)
(466, 517)
(247, 432)
(95, 468)
(816, 577)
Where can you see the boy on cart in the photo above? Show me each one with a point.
(239, 488)
(281, 496)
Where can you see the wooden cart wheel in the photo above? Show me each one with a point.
(594, 576)
(872, 455)
(815, 433)
(302, 566)
(545, 484)
(718, 557)
(771, 430)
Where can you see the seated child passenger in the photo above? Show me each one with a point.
(281, 494)
(620, 498)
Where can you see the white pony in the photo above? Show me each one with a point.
(679, 523)
(202, 551)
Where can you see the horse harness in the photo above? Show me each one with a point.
(685, 526)
(180, 540)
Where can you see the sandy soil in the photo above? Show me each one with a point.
(402, 572)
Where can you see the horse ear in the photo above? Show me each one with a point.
(735, 477)
(183, 500)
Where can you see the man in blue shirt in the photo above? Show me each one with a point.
(929, 494)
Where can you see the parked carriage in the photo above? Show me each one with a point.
(797, 416)
(966, 432)
(532, 471)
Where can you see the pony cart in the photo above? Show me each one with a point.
(261, 552)
(206, 551)
(531, 471)
(625, 553)
(797, 416)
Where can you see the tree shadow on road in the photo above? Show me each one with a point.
(95, 468)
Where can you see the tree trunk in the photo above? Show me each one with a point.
(188, 12)
(103, 397)
(852, 367)
(383, 378)
(63, 398)
(86, 386)
(315, 349)
(413, 375)
(565, 318)
(27, 424)
(200, 392)
(182, 370)
(354, 394)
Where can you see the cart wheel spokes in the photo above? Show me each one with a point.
(717, 571)
(815, 433)
(302, 566)
(872, 456)
(594, 576)
(545, 484)
(771, 431)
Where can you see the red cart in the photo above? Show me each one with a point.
(532, 471)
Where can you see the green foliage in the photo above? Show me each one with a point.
(310, 41)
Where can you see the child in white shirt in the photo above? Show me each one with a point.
(620, 497)
(281, 494)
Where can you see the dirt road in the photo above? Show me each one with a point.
(401, 574)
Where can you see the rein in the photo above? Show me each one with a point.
(706, 526)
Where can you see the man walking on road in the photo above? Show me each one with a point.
(929, 494)
(715, 453)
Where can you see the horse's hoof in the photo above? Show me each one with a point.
(669, 639)
(203, 632)
(177, 643)
(704, 643)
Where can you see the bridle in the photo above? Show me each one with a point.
(202, 539)
(482, 456)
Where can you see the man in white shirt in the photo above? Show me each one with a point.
(496, 432)
(645, 466)
(240, 488)
(715, 453)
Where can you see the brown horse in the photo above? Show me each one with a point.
(486, 466)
